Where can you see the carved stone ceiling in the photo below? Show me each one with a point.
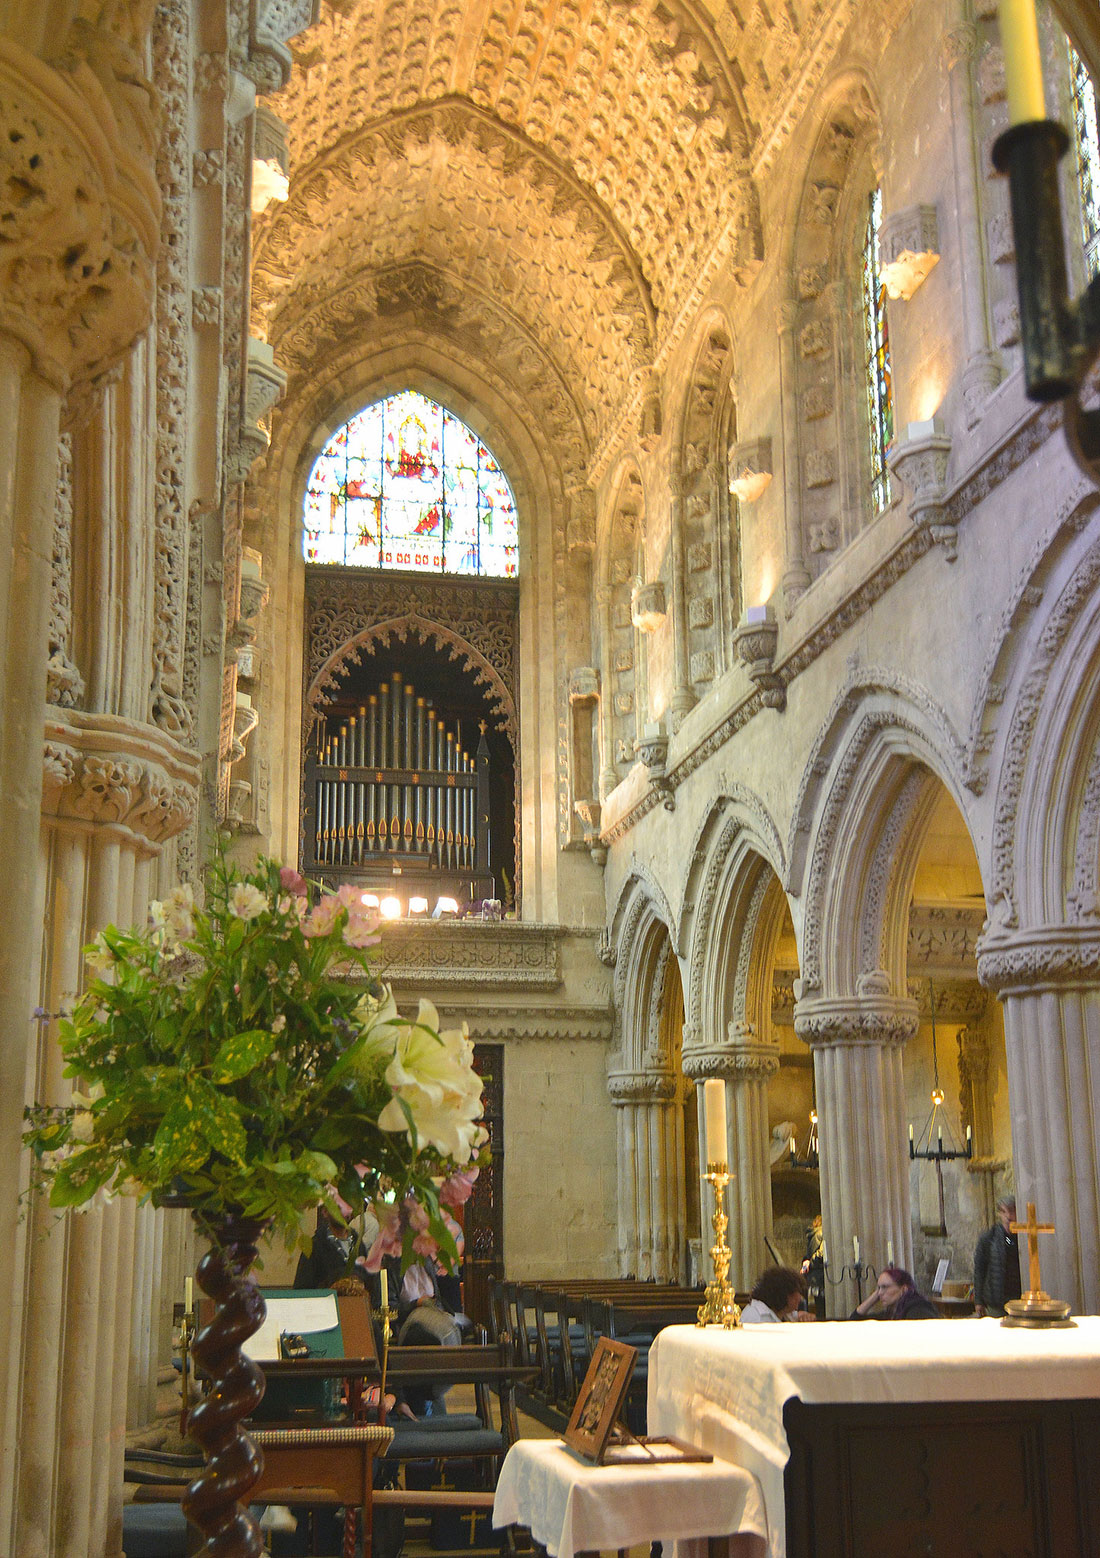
(566, 176)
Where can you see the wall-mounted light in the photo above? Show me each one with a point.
(444, 906)
(418, 906)
(390, 908)
(370, 900)
(750, 469)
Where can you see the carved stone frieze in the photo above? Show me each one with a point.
(943, 936)
(347, 610)
(733, 1062)
(101, 770)
(502, 954)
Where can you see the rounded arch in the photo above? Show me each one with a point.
(379, 634)
(641, 937)
(870, 788)
(1046, 826)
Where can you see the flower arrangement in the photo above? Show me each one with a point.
(240, 1057)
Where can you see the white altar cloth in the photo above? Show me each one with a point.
(570, 1506)
(724, 1390)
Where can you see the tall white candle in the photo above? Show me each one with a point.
(714, 1115)
(889, 1252)
(188, 1293)
(1023, 68)
(384, 1277)
(855, 1247)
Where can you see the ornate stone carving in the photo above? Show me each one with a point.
(701, 666)
(495, 955)
(641, 1087)
(1046, 957)
(920, 462)
(584, 686)
(755, 641)
(732, 1063)
(79, 222)
(647, 606)
(106, 771)
(750, 469)
(909, 248)
(871, 1017)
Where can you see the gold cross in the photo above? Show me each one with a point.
(1033, 1229)
(471, 1516)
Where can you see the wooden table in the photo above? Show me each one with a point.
(941, 1438)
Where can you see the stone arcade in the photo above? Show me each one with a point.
(804, 683)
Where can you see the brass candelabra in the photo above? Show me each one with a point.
(718, 1306)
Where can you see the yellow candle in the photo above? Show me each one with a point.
(1023, 69)
(714, 1113)
(889, 1252)
(385, 1279)
(188, 1293)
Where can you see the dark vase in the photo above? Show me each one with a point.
(216, 1502)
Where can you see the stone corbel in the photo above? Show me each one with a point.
(584, 686)
(264, 385)
(755, 638)
(589, 812)
(641, 1087)
(909, 248)
(653, 751)
(750, 469)
(270, 160)
(245, 720)
(648, 607)
(920, 463)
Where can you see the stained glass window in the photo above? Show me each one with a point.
(405, 484)
(876, 345)
(1087, 144)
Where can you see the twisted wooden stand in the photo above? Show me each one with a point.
(214, 1501)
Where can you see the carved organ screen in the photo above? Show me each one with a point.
(406, 485)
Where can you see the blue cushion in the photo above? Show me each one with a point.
(154, 1531)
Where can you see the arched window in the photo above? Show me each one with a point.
(876, 358)
(1086, 140)
(405, 484)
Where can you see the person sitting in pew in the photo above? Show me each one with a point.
(897, 1293)
(778, 1295)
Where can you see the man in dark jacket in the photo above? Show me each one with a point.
(997, 1263)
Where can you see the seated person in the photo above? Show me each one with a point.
(897, 1293)
(336, 1252)
(778, 1295)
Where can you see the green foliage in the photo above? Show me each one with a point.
(239, 1055)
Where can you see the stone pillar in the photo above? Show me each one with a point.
(796, 576)
(683, 698)
(652, 1198)
(862, 1127)
(609, 773)
(1048, 980)
(981, 371)
(746, 1065)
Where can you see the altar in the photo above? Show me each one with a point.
(943, 1438)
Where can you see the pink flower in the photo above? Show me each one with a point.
(389, 1236)
(362, 927)
(424, 1244)
(459, 1188)
(323, 916)
(292, 881)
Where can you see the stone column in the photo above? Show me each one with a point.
(746, 1065)
(1048, 980)
(683, 698)
(857, 1046)
(796, 576)
(652, 1199)
(981, 371)
(79, 212)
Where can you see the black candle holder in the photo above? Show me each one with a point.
(1060, 338)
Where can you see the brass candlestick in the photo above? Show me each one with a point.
(1036, 1310)
(718, 1306)
(387, 1317)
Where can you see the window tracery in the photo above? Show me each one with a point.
(876, 356)
(1086, 142)
(406, 484)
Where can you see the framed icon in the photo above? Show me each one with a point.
(600, 1398)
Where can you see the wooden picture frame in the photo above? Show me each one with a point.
(600, 1398)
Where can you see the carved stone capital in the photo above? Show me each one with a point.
(99, 770)
(755, 639)
(79, 206)
(739, 1062)
(641, 1087)
(920, 464)
(584, 685)
(871, 1017)
(1044, 958)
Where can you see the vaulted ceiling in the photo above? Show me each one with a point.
(553, 184)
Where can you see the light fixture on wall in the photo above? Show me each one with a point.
(936, 1126)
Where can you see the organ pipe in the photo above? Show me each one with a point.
(389, 778)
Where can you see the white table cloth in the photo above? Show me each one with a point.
(725, 1390)
(570, 1506)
